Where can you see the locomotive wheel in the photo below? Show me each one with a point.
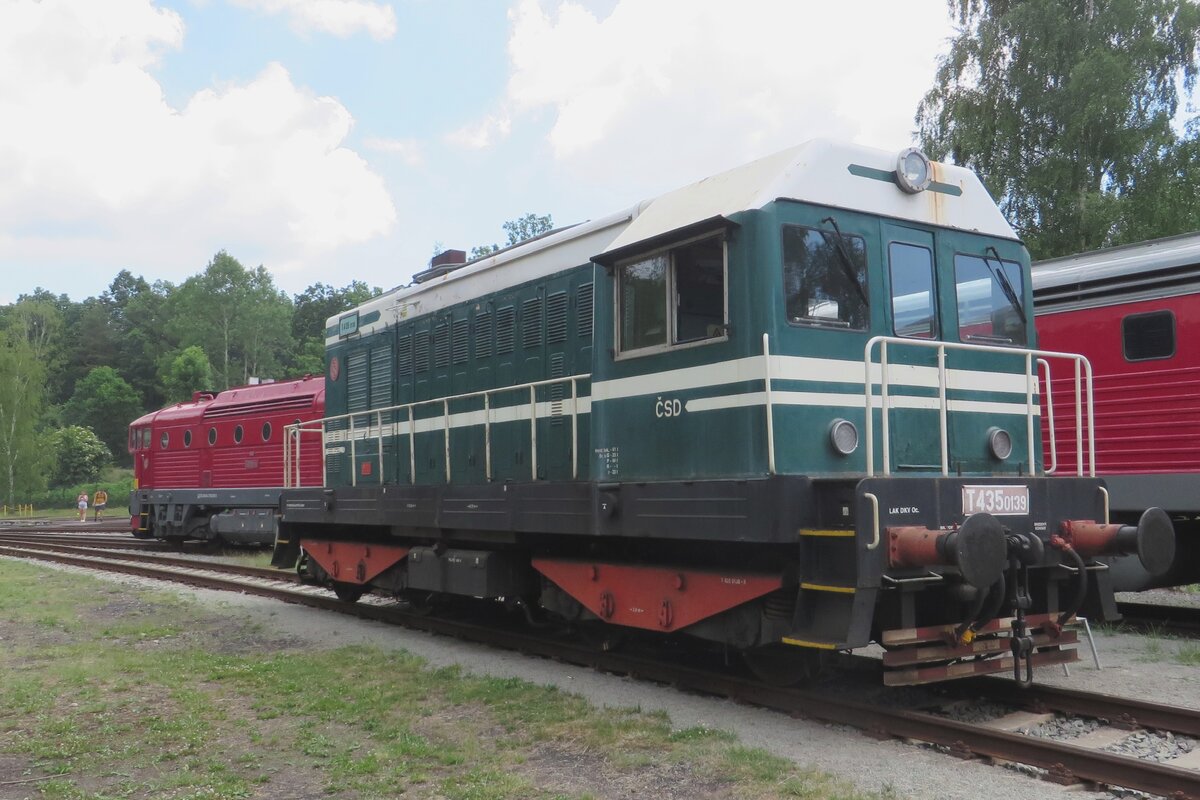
(782, 664)
(348, 592)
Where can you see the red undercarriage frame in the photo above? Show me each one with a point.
(653, 598)
(650, 598)
(349, 562)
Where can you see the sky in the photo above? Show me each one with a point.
(340, 140)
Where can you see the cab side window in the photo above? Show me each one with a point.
(824, 279)
(672, 297)
(913, 309)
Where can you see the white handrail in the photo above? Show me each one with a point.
(767, 400)
(1050, 470)
(294, 433)
(1083, 377)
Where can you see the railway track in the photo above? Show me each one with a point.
(1182, 620)
(1000, 739)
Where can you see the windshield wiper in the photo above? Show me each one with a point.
(1002, 280)
(844, 257)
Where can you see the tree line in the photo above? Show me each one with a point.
(74, 374)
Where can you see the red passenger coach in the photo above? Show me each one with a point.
(213, 468)
(1134, 311)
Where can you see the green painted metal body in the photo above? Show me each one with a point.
(679, 413)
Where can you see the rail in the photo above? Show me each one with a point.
(377, 430)
(1034, 360)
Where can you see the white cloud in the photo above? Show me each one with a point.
(341, 18)
(706, 84)
(410, 151)
(483, 134)
(96, 166)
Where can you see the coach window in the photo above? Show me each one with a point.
(212, 435)
(1148, 336)
(825, 278)
(187, 438)
(990, 296)
(266, 431)
(673, 297)
(911, 269)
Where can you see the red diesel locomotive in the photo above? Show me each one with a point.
(1134, 311)
(213, 468)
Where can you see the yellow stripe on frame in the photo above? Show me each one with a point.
(817, 645)
(837, 533)
(820, 587)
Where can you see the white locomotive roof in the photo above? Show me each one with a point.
(818, 171)
(1142, 271)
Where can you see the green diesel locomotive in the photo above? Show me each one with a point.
(790, 409)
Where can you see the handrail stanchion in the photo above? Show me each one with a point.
(869, 423)
(533, 431)
(574, 430)
(446, 435)
(379, 442)
(884, 428)
(412, 445)
(767, 399)
(944, 410)
(1079, 422)
(324, 457)
(1091, 416)
(1050, 418)
(487, 435)
(353, 454)
(1029, 410)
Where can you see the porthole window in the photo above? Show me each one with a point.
(1148, 336)
(266, 431)
(237, 434)
(164, 440)
(212, 435)
(187, 438)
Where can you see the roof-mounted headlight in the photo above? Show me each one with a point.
(913, 171)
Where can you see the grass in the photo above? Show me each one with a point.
(110, 692)
(1163, 646)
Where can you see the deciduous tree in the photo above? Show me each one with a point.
(27, 336)
(78, 455)
(188, 371)
(1065, 108)
(104, 402)
(519, 230)
(237, 316)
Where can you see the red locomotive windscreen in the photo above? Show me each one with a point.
(231, 440)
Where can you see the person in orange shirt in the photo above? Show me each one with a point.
(100, 499)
